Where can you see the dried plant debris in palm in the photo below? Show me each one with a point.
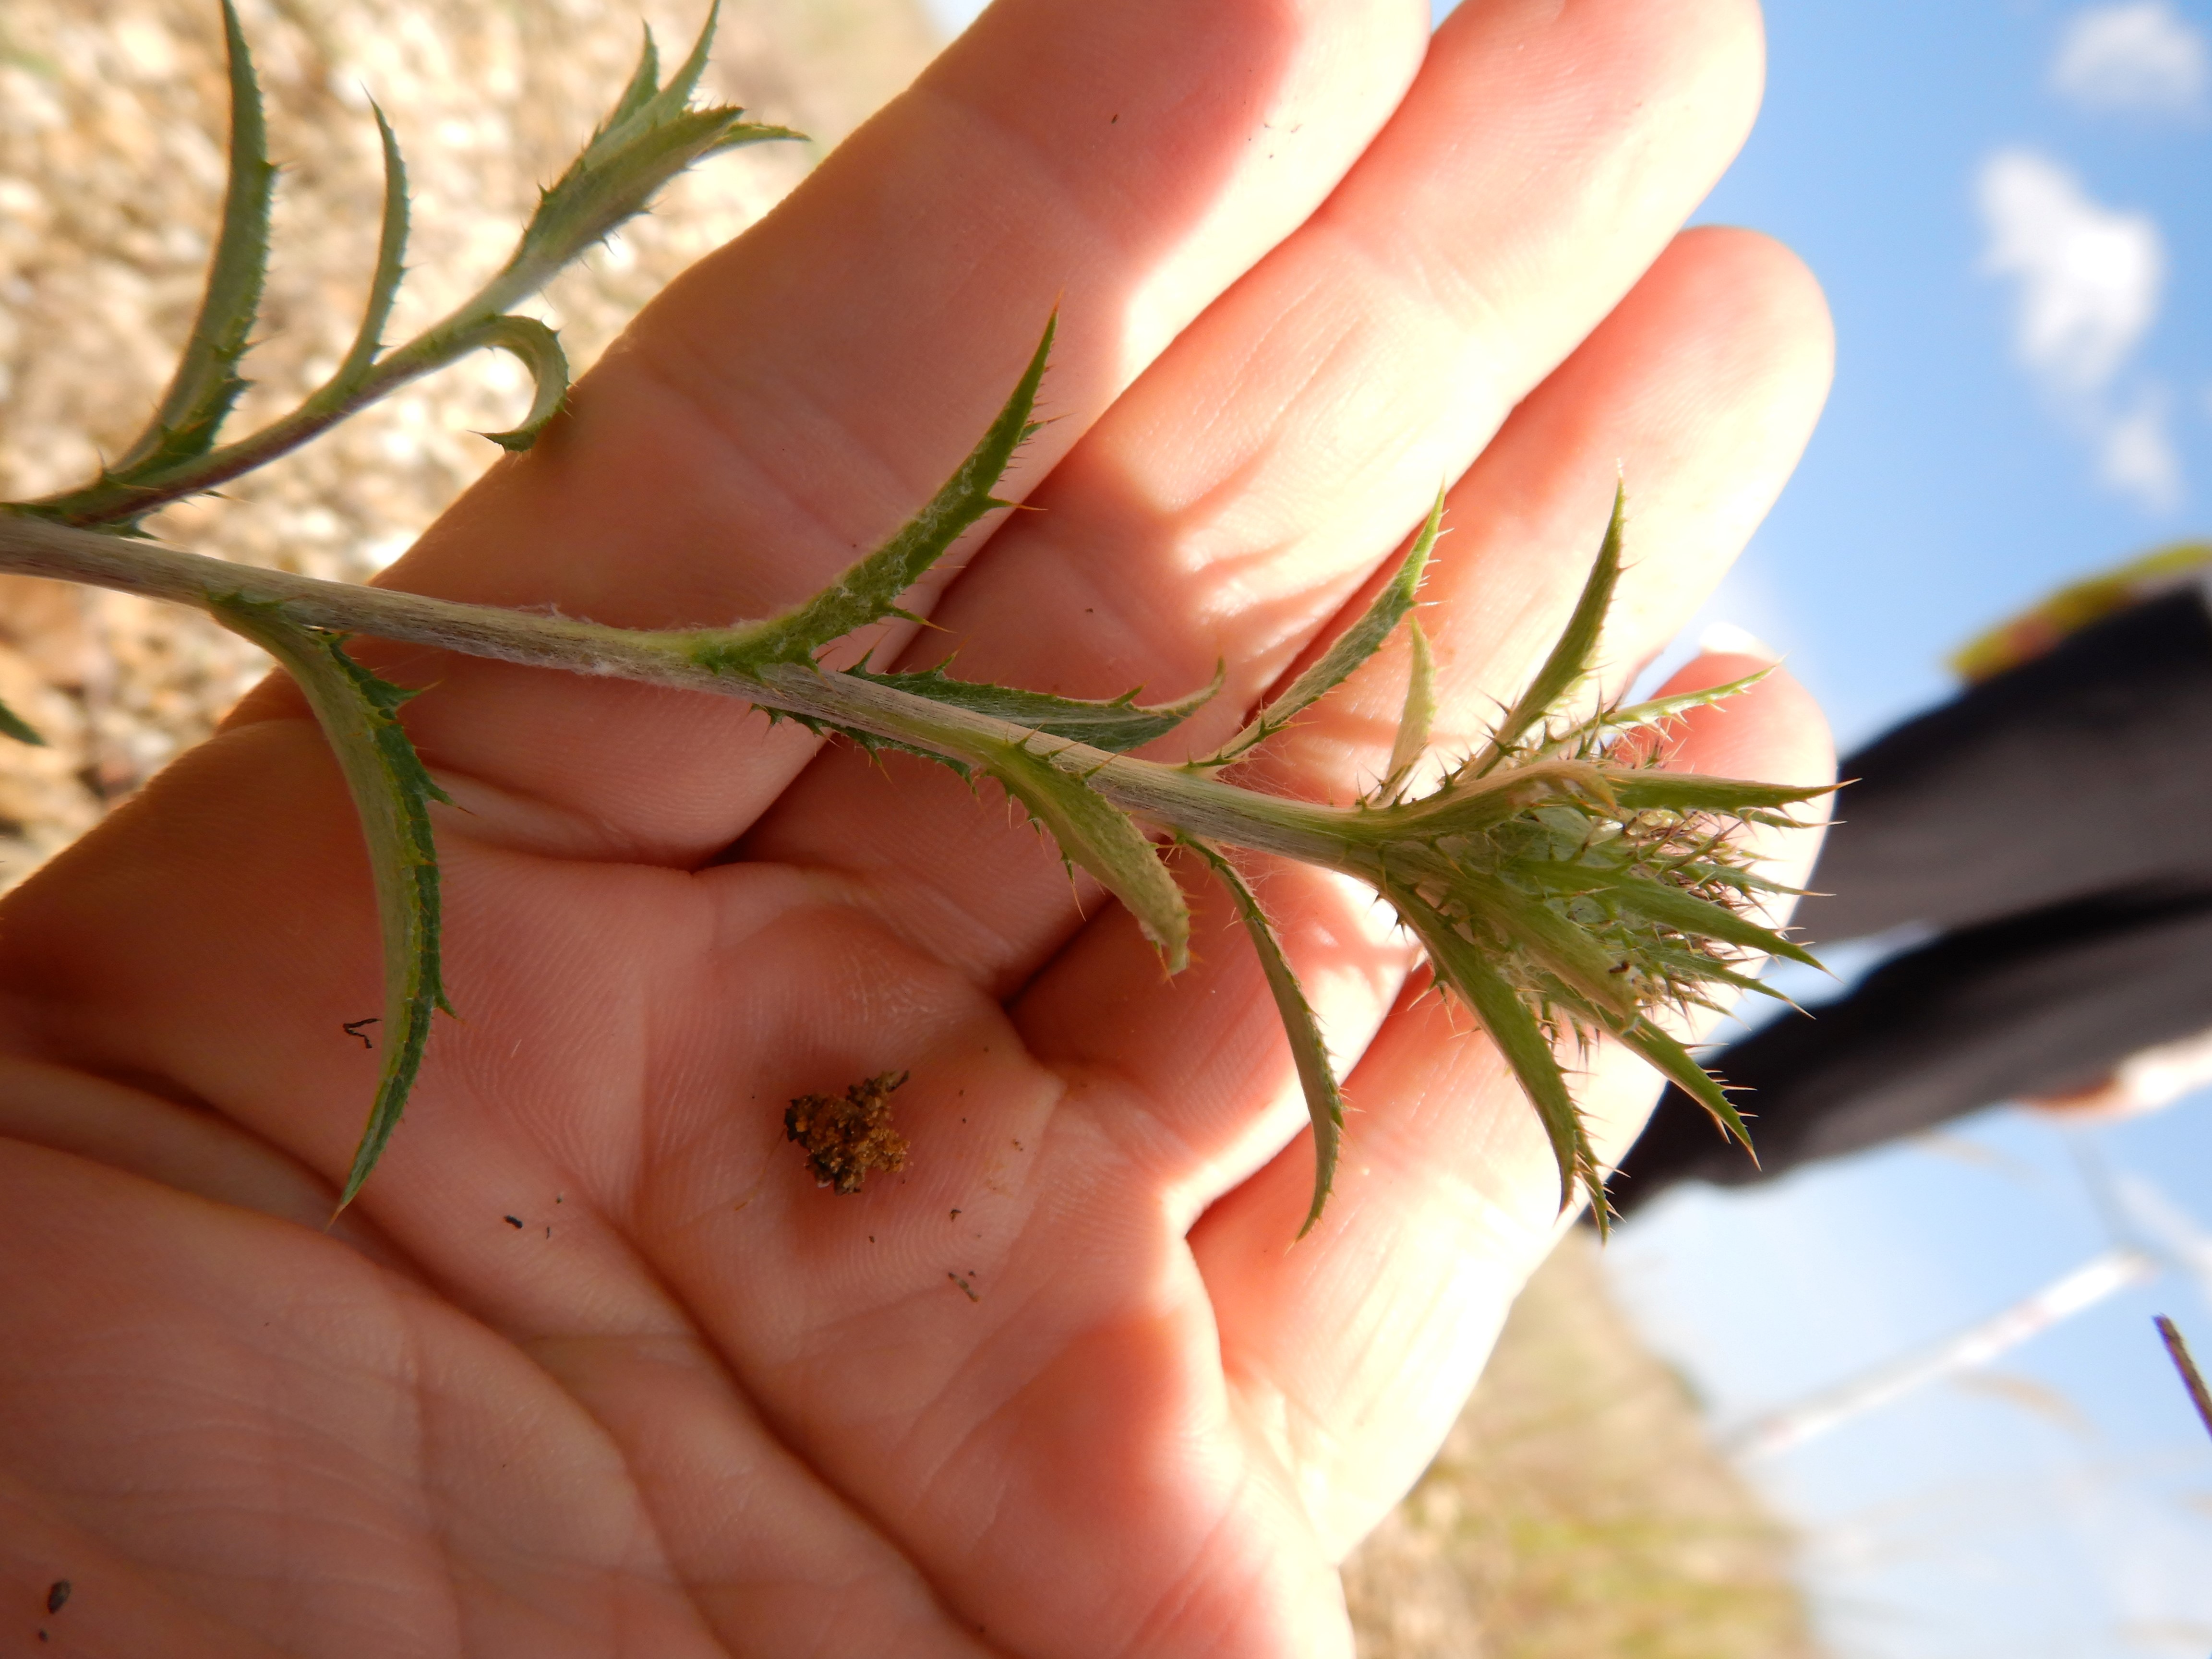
(844, 1139)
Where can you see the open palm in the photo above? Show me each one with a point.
(593, 1365)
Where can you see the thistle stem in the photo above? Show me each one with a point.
(1170, 796)
(115, 499)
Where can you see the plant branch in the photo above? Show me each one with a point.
(1174, 798)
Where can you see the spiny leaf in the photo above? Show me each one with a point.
(206, 383)
(640, 103)
(1462, 807)
(539, 348)
(1694, 791)
(1744, 881)
(1419, 713)
(1352, 648)
(1573, 955)
(1666, 904)
(649, 138)
(391, 251)
(1662, 708)
(1675, 1062)
(1117, 725)
(391, 793)
(14, 726)
(869, 591)
(1573, 657)
(871, 742)
(644, 81)
(1467, 971)
(1100, 836)
(1316, 1077)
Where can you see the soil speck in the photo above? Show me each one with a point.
(844, 1139)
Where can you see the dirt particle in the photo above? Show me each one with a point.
(57, 1594)
(956, 1215)
(966, 1288)
(352, 1028)
(516, 1221)
(844, 1139)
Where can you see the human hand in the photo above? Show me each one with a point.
(1065, 1386)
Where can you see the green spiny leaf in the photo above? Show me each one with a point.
(649, 136)
(1316, 1077)
(391, 251)
(1118, 725)
(1463, 805)
(14, 726)
(1100, 836)
(1352, 648)
(681, 85)
(1571, 955)
(1662, 708)
(870, 590)
(1675, 1062)
(207, 383)
(1694, 791)
(1670, 906)
(391, 793)
(1419, 714)
(869, 743)
(644, 81)
(1573, 657)
(1696, 871)
(539, 348)
(1467, 971)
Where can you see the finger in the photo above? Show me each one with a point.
(791, 400)
(1244, 489)
(1447, 1196)
(1707, 379)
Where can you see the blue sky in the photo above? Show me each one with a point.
(2005, 200)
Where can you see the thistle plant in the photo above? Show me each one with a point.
(1562, 885)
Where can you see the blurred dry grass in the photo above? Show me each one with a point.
(1575, 1510)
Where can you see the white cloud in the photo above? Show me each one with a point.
(2136, 453)
(2089, 276)
(2141, 55)
(2089, 283)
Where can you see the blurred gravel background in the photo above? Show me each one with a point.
(113, 122)
(1575, 1512)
